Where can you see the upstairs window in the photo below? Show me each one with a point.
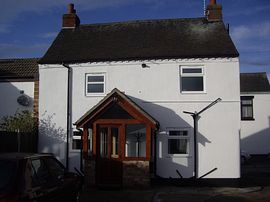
(95, 84)
(192, 79)
(247, 108)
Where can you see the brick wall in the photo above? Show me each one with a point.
(136, 174)
(90, 172)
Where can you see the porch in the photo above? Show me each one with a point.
(118, 143)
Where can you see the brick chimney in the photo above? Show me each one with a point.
(70, 20)
(213, 11)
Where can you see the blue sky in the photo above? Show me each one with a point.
(27, 27)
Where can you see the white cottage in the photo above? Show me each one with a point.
(255, 116)
(134, 90)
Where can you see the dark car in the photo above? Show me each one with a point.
(36, 177)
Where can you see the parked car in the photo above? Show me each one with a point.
(36, 177)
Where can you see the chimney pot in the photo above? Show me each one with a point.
(71, 9)
(213, 11)
(70, 19)
(213, 2)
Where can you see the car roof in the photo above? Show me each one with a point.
(18, 156)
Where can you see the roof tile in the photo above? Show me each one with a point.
(147, 39)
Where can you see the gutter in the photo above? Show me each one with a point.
(68, 112)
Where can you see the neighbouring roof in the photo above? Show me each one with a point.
(139, 40)
(110, 97)
(25, 69)
(254, 82)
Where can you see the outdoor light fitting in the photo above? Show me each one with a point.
(145, 65)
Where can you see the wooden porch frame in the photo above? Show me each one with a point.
(92, 120)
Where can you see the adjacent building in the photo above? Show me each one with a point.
(18, 86)
(255, 113)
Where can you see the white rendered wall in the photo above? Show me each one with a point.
(255, 135)
(53, 110)
(9, 92)
(157, 90)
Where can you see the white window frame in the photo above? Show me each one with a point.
(177, 137)
(99, 82)
(202, 74)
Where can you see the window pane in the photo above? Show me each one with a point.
(178, 133)
(103, 135)
(114, 141)
(90, 143)
(95, 78)
(177, 146)
(95, 88)
(135, 140)
(76, 140)
(192, 70)
(56, 169)
(246, 102)
(41, 170)
(192, 83)
(76, 144)
(247, 112)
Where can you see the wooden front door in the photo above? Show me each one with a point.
(109, 164)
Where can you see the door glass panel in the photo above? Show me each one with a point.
(103, 137)
(135, 140)
(114, 142)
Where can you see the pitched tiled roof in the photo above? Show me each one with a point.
(148, 39)
(254, 82)
(19, 68)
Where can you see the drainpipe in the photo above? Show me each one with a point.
(195, 116)
(68, 113)
(81, 151)
(155, 152)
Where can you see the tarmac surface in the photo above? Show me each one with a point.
(254, 187)
(178, 194)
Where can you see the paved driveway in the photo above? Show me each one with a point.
(255, 186)
(178, 194)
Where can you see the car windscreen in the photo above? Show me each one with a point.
(7, 173)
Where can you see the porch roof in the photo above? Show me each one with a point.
(108, 99)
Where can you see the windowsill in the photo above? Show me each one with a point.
(193, 92)
(247, 119)
(75, 151)
(136, 159)
(178, 156)
(95, 95)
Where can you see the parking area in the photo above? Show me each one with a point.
(256, 171)
(178, 194)
(254, 186)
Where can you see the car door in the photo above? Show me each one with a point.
(66, 189)
(45, 186)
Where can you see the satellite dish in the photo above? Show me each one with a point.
(24, 100)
